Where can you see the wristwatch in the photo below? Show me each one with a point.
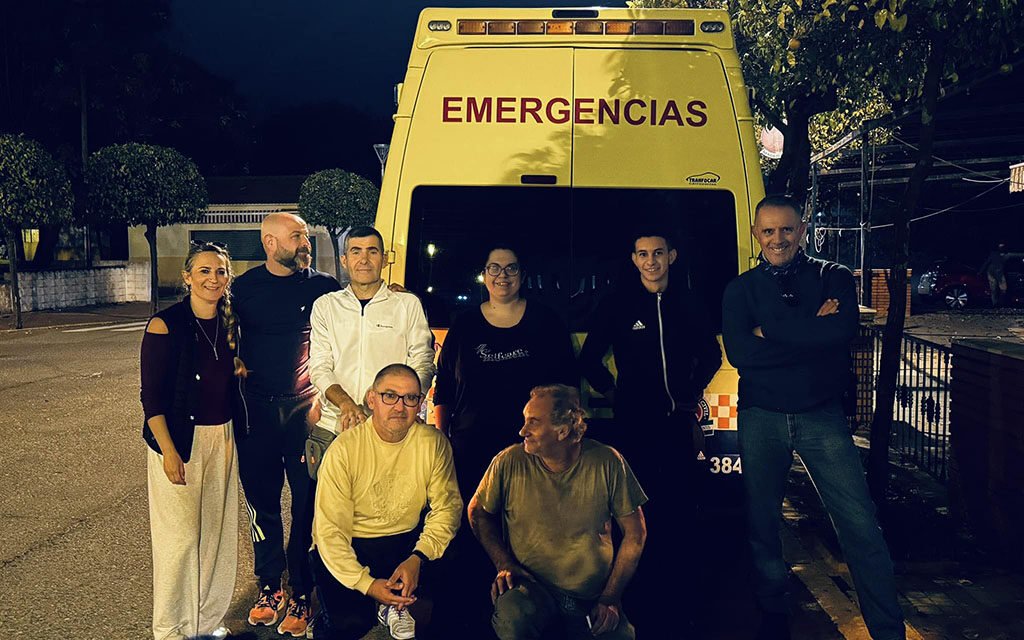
(419, 554)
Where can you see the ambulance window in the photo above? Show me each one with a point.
(574, 244)
(452, 228)
(703, 226)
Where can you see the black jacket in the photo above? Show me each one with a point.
(665, 350)
(803, 361)
(183, 396)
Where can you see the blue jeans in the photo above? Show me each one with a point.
(822, 439)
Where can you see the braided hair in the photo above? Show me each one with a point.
(227, 316)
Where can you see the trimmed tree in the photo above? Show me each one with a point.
(141, 184)
(34, 191)
(338, 200)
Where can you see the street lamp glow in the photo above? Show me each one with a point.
(431, 249)
(430, 289)
(480, 278)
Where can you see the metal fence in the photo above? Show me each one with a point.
(921, 408)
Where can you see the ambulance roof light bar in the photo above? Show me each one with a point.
(578, 27)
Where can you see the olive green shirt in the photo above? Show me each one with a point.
(559, 524)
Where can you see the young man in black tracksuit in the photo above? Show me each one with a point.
(665, 354)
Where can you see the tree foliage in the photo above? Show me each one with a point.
(34, 191)
(141, 184)
(338, 200)
(34, 188)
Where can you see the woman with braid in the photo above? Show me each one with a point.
(189, 394)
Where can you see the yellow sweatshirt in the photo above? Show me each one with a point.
(369, 488)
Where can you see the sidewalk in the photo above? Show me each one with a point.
(96, 314)
(950, 588)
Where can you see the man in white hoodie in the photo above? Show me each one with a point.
(359, 330)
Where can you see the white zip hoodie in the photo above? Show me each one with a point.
(349, 344)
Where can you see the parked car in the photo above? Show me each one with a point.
(958, 286)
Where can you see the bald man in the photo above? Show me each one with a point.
(273, 303)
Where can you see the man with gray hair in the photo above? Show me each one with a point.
(556, 495)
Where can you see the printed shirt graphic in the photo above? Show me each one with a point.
(485, 373)
(486, 355)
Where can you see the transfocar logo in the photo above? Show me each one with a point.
(704, 178)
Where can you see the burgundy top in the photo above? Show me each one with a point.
(215, 374)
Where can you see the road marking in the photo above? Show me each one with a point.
(138, 328)
(113, 327)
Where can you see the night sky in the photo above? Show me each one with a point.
(283, 54)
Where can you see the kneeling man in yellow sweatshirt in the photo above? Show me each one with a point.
(370, 543)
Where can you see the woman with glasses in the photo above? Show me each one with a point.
(491, 358)
(189, 395)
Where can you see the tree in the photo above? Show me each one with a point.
(958, 39)
(139, 184)
(34, 190)
(338, 200)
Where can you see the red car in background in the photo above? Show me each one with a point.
(958, 286)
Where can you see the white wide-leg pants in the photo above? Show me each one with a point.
(195, 537)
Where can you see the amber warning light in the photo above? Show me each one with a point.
(571, 27)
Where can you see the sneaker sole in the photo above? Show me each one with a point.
(301, 634)
(256, 623)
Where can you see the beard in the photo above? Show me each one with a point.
(294, 260)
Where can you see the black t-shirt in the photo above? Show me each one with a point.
(485, 373)
(273, 317)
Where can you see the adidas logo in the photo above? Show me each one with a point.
(638, 326)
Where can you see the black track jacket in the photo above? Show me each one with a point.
(665, 350)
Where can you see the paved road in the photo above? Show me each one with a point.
(74, 543)
(74, 547)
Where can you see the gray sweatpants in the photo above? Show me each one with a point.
(195, 536)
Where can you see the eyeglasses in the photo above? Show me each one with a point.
(390, 398)
(495, 269)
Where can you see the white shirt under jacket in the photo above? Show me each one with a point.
(349, 344)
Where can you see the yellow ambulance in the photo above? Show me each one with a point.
(557, 129)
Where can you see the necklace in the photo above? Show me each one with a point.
(216, 334)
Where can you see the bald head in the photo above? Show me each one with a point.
(285, 239)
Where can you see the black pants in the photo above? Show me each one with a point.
(272, 451)
(469, 571)
(659, 450)
(347, 614)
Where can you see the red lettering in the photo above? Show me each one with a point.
(478, 112)
(671, 113)
(579, 110)
(563, 113)
(603, 109)
(628, 110)
(506, 106)
(530, 106)
(449, 111)
(700, 117)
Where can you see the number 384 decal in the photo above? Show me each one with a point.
(726, 464)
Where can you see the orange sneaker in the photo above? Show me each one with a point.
(267, 607)
(297, 618)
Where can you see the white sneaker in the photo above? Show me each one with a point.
(400, 623)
